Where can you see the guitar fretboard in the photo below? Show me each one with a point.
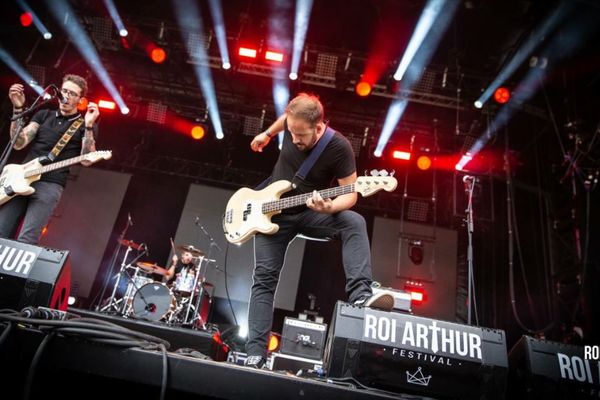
(55, 166)
(293, 201)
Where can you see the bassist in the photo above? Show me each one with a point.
(43, 132)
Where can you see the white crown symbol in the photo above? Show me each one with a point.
(418, 378)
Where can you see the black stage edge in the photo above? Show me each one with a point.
(178, 337)
(74, 368)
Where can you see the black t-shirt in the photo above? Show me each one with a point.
(336, 162)
(52, 126)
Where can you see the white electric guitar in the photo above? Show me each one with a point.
(16, 179)
(249, 211)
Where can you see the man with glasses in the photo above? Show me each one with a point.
(303, 126)
(42, 133)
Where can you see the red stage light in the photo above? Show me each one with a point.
(247, 52)
(401, 155)
(502, 95)
(26, 19)
(423, 163)
(197, 132)
(273, 56)
(107, 104)
(158, 55)
(83, 103)
(363, 88)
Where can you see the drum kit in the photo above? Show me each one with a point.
(185, 302)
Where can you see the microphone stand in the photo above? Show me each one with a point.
(470, 229)
(208, 260)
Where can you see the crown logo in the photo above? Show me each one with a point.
(418, 378)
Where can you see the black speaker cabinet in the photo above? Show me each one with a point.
(541, 369)
(33, 276)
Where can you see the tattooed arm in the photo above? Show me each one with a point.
(25, 136)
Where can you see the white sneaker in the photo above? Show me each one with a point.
(383, 300)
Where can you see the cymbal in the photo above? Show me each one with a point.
(131, 243)
(151, 267)
(191, 249)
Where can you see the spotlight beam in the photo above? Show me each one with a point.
(189, 19)
(524, 51)
(444, 12)
(36, 21)
(216, 11)
(302, 19)
(19, 70)
(64, 15)
(114, 14)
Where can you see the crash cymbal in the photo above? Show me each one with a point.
(191, 249)
(151, 267)
(131, 243)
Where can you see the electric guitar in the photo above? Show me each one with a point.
(249, 211)
(16, 179)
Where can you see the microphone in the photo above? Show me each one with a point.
(59, 95)
(44, 313)
(197, 222)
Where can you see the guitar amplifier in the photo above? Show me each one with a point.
(402, 353)
(303, 338)
(541, 369)
(33, 276)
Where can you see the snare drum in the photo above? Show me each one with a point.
(153, 301)
(184, 284)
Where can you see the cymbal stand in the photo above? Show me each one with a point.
(120, 305)
(208, 259)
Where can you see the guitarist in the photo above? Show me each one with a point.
(42, 133)
(303, 126)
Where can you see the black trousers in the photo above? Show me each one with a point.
(269, 251)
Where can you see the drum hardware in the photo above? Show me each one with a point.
(120, 305)
(191, 249)
(153, 301)
(152, 268)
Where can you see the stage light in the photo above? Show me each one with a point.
(47, 35)
(273, 56)
(216, 10)
(247, 52)
(363, 88)
(417, 292)
(26, 19)
(301, 20)
(273, 342)
(107, 104)
(502, 95)
(125, 110)
(197, 132)
(226, 65)
(83, 104)
(401, 155)
(423, 163)
(417, 297)
(123, 32)
(71, 300)
(158, 55)
(478, 104)
(293, 76)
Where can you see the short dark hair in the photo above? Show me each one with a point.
(79, 81)
(307, 107)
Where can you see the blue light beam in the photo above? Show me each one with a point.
(216, 11)
(302, 19)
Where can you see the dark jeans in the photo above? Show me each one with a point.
(36, 211)
(269, 250)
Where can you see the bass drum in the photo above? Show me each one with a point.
(153, 301)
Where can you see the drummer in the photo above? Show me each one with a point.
(177, 265)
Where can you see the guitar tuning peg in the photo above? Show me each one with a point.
(374, 172)
(383, 172)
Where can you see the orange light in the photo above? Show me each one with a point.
(158, 55)
(44, 230)
(502, 95)
(363, 88)
(198, 132)
(247, 52)
(273, 56)
(423, 163)
(401, 155)
(26, 19)
(83, 103)
(273, 342)
(107, 104)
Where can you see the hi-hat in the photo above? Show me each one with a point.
(191, 249)
(151, 267)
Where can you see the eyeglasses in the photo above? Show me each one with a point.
(69, 93)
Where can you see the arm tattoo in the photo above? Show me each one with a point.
(88, 143)
(25, 136)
